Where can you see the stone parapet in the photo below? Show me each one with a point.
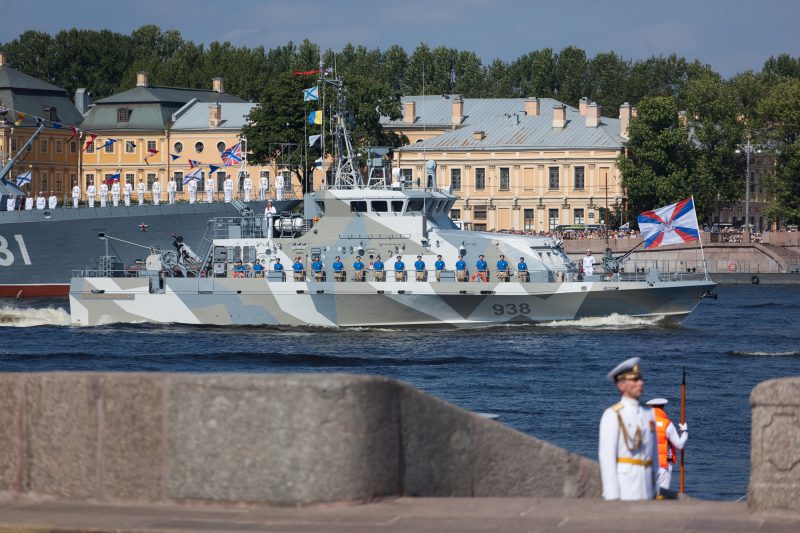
(280, 439)
(775, 445)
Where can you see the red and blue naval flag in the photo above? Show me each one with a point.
(233, 155)
(673, 224)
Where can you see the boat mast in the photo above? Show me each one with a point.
(347, 174)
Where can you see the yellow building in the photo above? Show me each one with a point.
(516, 164)
(52, 158)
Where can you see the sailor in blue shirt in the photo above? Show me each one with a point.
(502, 268)
(461, 269)
(439, 266)
(380, 274)
(278, 267)
(399, 269)
(358, 268)
(419, 266)
(522, 270)
(482, 269)
(338, 269)
(258, 269)
(299, 270)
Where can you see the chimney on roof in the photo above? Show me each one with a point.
(2, 58)
(583, 104)
(214, 115)
(532, 106)
(559, 116)
(83, 100)
(593, 115)
(683, 118)
(458, 110)
(218, 85)
(409, 112)
(142, 79)
(624, 119)
(634, 112)
(479, 135)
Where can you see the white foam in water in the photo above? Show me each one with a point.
(767, 354)
(613, 321)
(26, 317)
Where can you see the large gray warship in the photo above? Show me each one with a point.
(379, 216)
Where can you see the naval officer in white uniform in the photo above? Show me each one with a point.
(628, 451)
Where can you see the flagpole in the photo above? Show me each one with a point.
(702, 252)
(683, 421)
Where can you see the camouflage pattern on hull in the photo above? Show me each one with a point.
(256, 301)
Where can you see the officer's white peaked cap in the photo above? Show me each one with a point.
(629, 366)
(658, 402)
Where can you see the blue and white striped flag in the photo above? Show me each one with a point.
(24, 178)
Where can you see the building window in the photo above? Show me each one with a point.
(43, 146)
(553, 182)
(480, 179)
(201, 183)
(552, 216)
(73, 179)
(151, 147)
(129, 179)
(59, 182)
(43, 187)
(151, 179)
(130, 147)
(264, 174)
(406, 175)
(109, 146)
(89, 179)
(59, 146)
(578, 216)
(479, 213)
(178, 181)
(90, 147)
(198, 147)
(505, 180)
(123, 114)
(220, 181)
(580, 178)
(73, 147)
(13, 144)
(527, 219)
(455, 214)
(455, 179)
(479, 227)
(178, 147)
(221, 147)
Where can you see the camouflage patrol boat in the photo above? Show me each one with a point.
(380, 216)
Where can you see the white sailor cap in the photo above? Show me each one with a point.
(628, 369)
(658, 402)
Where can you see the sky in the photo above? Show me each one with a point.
(730, 35)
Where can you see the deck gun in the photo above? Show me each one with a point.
(613, 265)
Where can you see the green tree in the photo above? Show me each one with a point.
(570, 75)
(607, 74)
(533, 74)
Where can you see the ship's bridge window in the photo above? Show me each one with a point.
(397, 206)
(358, 206)
(416, 204)
(380, 206)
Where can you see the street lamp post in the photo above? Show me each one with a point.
(748, 148)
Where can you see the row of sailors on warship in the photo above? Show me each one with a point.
(378, 269)
(116, 192)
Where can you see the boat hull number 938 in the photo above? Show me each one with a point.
(7, 256)
(511, 309)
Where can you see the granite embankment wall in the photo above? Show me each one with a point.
(280, 439)
(775, 445)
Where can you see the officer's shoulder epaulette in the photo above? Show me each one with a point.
(618, 406)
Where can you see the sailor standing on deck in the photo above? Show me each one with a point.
(115, 194)
(399, 269)
(588, 263)
(263, 187)
(668, 439)
(279, 187)
(419, 268)
(172, 190)
(627, 451)
(358, 269)
(209, 189)
(76, 195)
(41, 203)
(522, 270)
(127, 191)
(192, 191)
(156, 192)
(227, 189)
(103, 194)
(52, 201)
(439, 266)
(269, 218)
(248, 187)
(141, 189)
(91, 192)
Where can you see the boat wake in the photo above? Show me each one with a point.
(27, 317)
(766, 354)
(613, 321)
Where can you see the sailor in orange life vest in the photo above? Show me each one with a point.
(669, 440)
(627, 452)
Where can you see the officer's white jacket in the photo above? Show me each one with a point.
(624, 480)
(171, 186)
(76, 192)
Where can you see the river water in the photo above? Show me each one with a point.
(546, 380)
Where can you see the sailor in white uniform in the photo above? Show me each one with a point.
(192, 191)
(41, 203)
(209, 189)
(127, 191)
(263, 187)
(115, 194)
(141, 189)
(279, 187)
(227, 189)
(91, 192)
(172, 190)
(156, 192)
(76, 196)
(669, 441)
(103, 194)
(248, 187)
(52, 200)
(628, 452)
(588, 263)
